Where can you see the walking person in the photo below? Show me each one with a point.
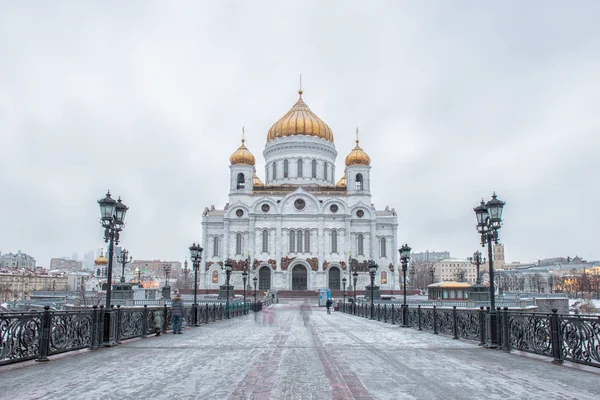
(328, 305)
(178, 312)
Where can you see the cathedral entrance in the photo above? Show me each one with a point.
(264, 278)
(299, 278)
(334, 278)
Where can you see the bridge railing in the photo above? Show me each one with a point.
(37, 335)
(562, 337)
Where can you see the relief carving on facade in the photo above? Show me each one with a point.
(391, 267)
(285, 262)
(314, 263)
(238, 265)
(210, 263)
(362, 266)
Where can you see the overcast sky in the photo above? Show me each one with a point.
(454, 99)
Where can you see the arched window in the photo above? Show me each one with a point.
(359, 182)
(383, 252)
(299, 168)
(299, 241)
(274, 175)
(307, 241)
(314, 168)
(286, 166)
(325, 171)
(241, 181)
(292, 242)
(361, 245)
(216, 246)
(383, 277)
(334, 241)
(215, 276)
(265, 241)
(238, 243)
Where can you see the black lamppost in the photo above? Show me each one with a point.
(186, 272)
(350, 270)
(372, 270)
(344, 284)
(432, 272)
(404, 258)
(113, 221)
(477, 260)
(244, 278)
(355, 278)
(167, 269)
(138, 271)
(196, 257)
(254, 282)
(124, 259)
(227, 268)
(489, 221)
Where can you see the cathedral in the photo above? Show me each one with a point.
(300, 229)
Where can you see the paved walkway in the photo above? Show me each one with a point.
(303, 354)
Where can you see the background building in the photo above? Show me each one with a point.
(455, 269)
(65, 264)
(18, 260)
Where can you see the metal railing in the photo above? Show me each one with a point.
(37, 335)
(562, 337)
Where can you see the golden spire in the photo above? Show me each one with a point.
(300, 90)
(242, 155)
(357, 156)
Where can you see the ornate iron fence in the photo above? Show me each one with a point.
(562, 337)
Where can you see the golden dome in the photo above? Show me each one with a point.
(242, 155)
(257, 181)
(358, 156)
(101, 260)
(342, 182)
(300, 120)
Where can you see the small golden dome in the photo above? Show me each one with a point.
(358, 156)
(342, 182)
(242, 155)
(300, 120)
(257, 181)
(101, 260)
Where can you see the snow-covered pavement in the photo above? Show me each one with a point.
(302, 354)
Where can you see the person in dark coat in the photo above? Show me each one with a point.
(178, 312)
(328, 305)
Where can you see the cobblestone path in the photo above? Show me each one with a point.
(302, 353)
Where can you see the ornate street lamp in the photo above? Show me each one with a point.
(489, 221)
(227, 269)
(344, 284)
(355, 278)
(477, 260)
(124, 258)
(372, 271)
(244, 278)
(196, 257)
(350, 270)
(404, 259)
(113, 221)
(254, 282)
(138, 272)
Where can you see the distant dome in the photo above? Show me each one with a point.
(101, 260)
(242, 156)
(300, 120)
(358, 156)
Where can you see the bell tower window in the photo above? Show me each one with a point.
(383, 250)
(359, 182)
(300, 168)
(216, 246)
(238, 244)
(286, 166)
(265, 241)
(361, 245)
(325, 171)
(314, 168)
(274, 175)
(241, 181)
(334, 241)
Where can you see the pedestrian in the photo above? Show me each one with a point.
(158, 321)
(328, 305)
(178, 312)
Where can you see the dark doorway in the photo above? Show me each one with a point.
(334, 278)
(264, 278)
(299, 278)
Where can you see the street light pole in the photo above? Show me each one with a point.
(124, 259)
(355, 277)
(196, 257)
(254, 282)
(489, 221)
(228, 267)
(113, 221)
(244, 278)
(404, 258)
(344, 284)
(350, 270)
(372, 270)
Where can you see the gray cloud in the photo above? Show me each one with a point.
(453, 100)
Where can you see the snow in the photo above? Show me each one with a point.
(298, 352)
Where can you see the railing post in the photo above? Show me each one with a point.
(419, 316)
(435, 332)
(145, 321)
(393, 322)
(101, 326)
(119, 323)
(506, 330)
(481, 326)
(165, 319)
(45, 338)
(94, 341)
(555, 337)
(385, 313)
(499, 327)
(206, 313)
(454, 323)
